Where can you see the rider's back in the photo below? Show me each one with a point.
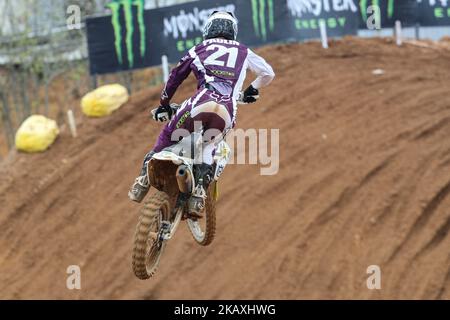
(221, 63)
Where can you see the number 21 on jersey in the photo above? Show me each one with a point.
(219, 53)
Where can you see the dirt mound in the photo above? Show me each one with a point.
(364, 180)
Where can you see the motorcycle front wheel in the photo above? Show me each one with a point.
(203, 230)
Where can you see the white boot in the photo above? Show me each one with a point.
(139, 189)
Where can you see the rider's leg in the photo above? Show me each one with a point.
(207, 153)
(216, 117)
(141, 185)
(205, 170)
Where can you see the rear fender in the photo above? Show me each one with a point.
(168, 156)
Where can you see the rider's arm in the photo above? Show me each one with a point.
(263, 70)
(176, 77)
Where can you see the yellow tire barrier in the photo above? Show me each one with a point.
(36, 134)
(104, 100)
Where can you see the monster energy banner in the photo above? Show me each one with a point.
(339, 17)
(132, 37)
(434, 12)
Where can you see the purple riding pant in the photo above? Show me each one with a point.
(206, 109)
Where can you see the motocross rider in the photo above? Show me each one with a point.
(219, 63)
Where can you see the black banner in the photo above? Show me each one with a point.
(339, 17)
(227, 309)
(384, 13)
(134, 38)
(434, 13)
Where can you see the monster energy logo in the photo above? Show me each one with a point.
(364, 3)
(115, 6)
(259, 9)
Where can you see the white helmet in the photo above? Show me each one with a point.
(221, 24)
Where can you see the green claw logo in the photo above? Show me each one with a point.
(259, 8)
(115, 6)
(363, 5)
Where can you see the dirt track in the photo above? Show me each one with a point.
(364, 180)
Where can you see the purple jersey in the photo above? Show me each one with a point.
(220, 67)
(221, 64)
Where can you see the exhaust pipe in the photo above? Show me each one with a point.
(183, 179)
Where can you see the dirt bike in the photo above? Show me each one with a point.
(171, 172)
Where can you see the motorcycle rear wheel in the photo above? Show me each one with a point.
(148, 249)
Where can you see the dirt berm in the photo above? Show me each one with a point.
(364, 180)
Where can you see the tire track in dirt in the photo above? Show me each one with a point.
(423, 218)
